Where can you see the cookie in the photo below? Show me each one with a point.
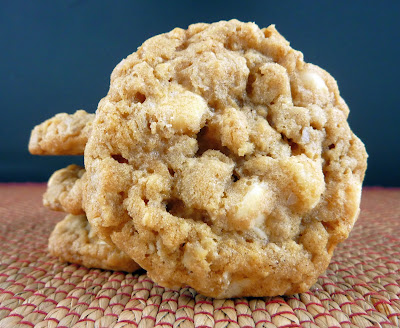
(73, 240)
(64, 190)
(63, 134)
(219, 159)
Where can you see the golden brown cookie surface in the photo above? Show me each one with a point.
(63, 134)
(64, 190)
(73, 240)
(221, 160)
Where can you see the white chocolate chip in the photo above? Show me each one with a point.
(159, 247)
(251, 208)
(152, 248)
(146, 219)
(260, 233)
(314, 82)
(305, 136)
(235, 287)
(153, 127)
(184, 111)
(252, 200)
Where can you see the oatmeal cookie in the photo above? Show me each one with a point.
(64, 190)
(63, 134)
(73, 240)
(221, 160)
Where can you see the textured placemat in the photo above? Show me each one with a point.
(361, 288)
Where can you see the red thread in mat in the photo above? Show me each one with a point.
(365, 270)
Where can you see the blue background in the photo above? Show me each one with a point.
(57, 56)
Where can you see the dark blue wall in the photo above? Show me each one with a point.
(57, 56)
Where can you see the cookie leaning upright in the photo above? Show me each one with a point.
(221, 160)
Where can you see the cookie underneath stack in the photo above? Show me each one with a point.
(219, 159)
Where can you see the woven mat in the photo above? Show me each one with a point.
(361, 287)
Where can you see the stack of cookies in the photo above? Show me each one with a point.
(218, 159)
(73, 240)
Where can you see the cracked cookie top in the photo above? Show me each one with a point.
(221, 160)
